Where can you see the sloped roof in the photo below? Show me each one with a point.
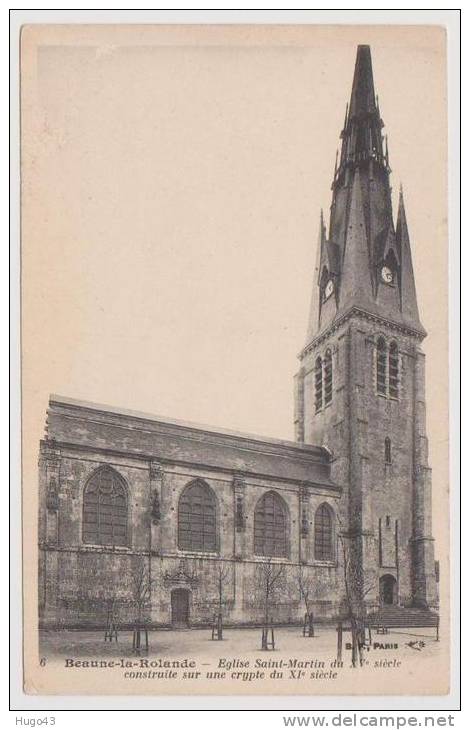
(96, 427)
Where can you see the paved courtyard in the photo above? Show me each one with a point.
(236, 642)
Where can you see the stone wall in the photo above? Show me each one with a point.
(388, 505)
(79, 582)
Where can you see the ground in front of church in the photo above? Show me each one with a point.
(197, 643)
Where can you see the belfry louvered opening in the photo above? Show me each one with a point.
(381, 366)
(387, 368)
(328, 376)
(393, 370)
(318, 384)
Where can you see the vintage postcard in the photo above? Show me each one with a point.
(235, 360)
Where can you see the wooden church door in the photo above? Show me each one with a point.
(180, 607)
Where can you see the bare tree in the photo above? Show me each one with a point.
(268, 576)
(357, 586)
(306, 593)
(223, 577)
(140, 598)
(140, 589)
(111, 631)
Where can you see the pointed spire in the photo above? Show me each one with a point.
(361, 229)
(361, 134)
(356, 287)
(321, 247)
(362, 94)
(409, 303)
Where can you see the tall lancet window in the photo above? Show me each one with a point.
(270, 533)
(323, 530)
(105, 509)
(328, 377)
(393, 370)
(197, 518)
(318, 384)
(381, 366)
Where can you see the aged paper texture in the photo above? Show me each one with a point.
(209, 213)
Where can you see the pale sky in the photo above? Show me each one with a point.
(172, 187)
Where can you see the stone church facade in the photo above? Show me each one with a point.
(200, 517)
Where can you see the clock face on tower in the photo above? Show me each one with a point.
(329, 288)
(387, 275)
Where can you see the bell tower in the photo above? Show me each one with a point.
(360, 387)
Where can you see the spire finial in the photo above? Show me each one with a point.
(361, 135)
(362, 94)
(346, 115)
(401, 215)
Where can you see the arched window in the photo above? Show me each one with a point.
(318, 384)
(387, 361)
(328, 377)
(105, 510)
(271, 527)
(381, 366)
(197, 530)
(388, 451)
(393, 370)
(323, 526)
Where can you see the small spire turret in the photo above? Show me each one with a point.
(409, 302)
(314, 314)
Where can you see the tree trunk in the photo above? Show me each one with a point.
(219, 618)
(339, 652)
(354, 642)
(311, 629)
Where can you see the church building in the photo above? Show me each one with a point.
(187, 521)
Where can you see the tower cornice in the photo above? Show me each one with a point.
(369, 316)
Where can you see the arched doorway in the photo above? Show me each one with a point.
(180, 607)
(388, 590)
